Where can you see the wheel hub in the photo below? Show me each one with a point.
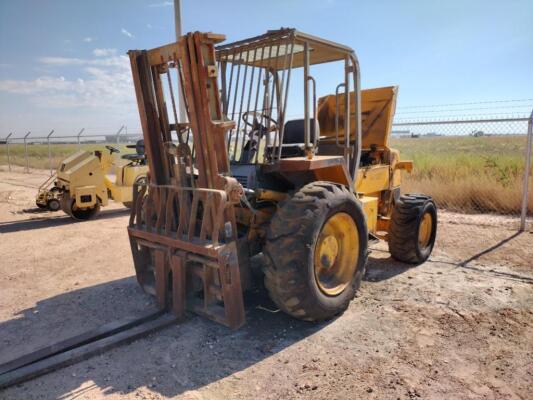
(329, 248)
(424, 232)
(336, 253)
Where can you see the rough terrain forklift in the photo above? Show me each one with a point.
(239, 190)
(86, 180)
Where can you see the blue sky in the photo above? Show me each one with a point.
(63, 63)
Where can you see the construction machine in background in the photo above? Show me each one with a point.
(86, 180)
(239, 190)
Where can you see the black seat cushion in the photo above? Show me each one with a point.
(294, 131)
(134, 157)
(139, 146)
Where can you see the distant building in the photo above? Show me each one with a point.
(125, 138)
(401, 133)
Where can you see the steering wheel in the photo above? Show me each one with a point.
(259, 116)
(112, 149)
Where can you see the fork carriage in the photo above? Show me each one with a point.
(174, 230)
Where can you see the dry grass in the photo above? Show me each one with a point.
(468, 174)
(38, 153)
(462, 173)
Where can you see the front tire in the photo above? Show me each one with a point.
(53, 204)
(316, 252)
(68, 205)
(413, 228)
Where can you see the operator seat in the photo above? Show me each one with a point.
(139, 156)
(294, 137)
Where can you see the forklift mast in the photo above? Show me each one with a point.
(182, 227)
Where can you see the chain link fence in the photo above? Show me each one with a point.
(46, 150)
(470, 167)
(477, 166)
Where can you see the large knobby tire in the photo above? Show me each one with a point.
(413, 228)
(295, 245)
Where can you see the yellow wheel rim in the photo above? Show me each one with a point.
(336, 252)
(424, 232)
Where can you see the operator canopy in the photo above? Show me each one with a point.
(271, 49)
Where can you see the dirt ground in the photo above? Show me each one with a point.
(458, 327)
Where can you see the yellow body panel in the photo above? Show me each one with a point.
(123, 194)
(131, 173)
(372, 179)
(370, 208)
(120, 184)
(377, 111)
(85, 196)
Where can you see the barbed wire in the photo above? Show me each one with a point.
(475, 116)
(465, 104)
(529, 106)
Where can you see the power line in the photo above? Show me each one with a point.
(467, 104)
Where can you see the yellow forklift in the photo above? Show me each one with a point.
(240, 190)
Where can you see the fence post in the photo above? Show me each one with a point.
(118, 133)
(7, 149)
(26, 152)
(79, 134)
(50, 151)
(523, 214)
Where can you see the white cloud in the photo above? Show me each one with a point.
(162, 4)
(125, 32)
(65, 61)
(150, 26)
(107, 84)
(88, 39)
(104, 52)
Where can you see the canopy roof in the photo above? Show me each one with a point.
(272, 50)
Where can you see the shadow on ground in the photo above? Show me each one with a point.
(380, 269)
(189, 355)
(40, 223)
(383, 268)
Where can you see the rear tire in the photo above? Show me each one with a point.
(295, 231)
(413, 228)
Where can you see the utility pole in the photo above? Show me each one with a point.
(181, 102)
